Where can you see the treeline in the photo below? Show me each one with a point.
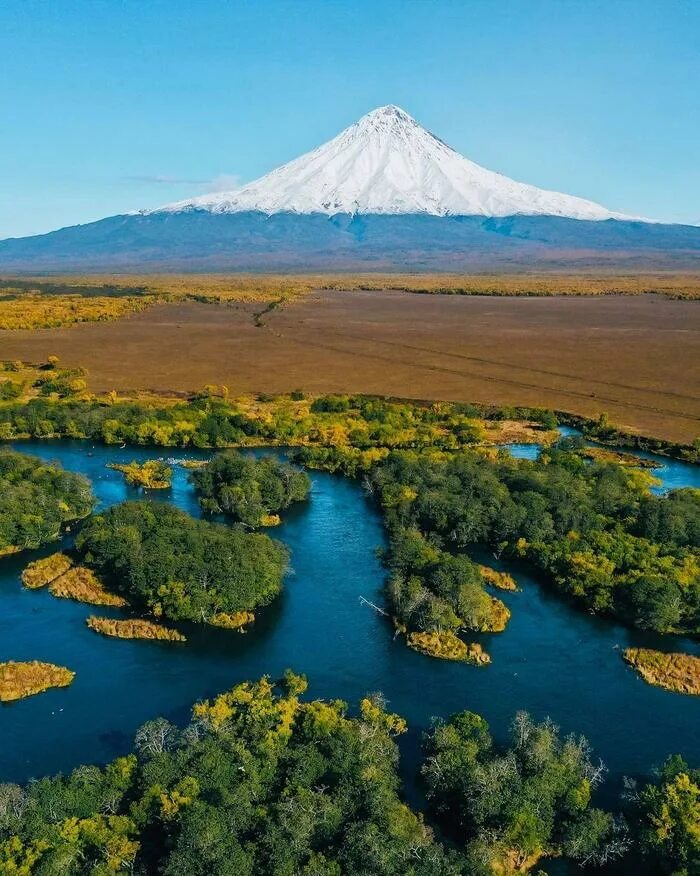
(212, 420)
(249, 490)
(592, 528)
(167, 563)
(261, 782)
(37, 499)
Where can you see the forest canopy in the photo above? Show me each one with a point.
(37, 499)
(249, 490)
(593, 528)
(167, 563)
(263, 782)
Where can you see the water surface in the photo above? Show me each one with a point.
(552, 660)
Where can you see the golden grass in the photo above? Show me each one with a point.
(447, 646)
(32, 310)
(44, 571)
(501, 580)
(602, 454)
(517, 432)
(675, 672)
(83, 585)
(19, 680)
(36, 302)
(152, 474)
(134, 628)
(235, 621)
(498, 618)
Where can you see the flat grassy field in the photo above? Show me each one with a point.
(635, 356)
(49, 302)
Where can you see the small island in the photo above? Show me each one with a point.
(42, 572)
(494, 578)
(250, 490)
(236, 621)
(676, 672)
(82, 585)
(24, 679)
(68, 581)
(134, 628)
(152, 474)
(169, 565)
(448, 646)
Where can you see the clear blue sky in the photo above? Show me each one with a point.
(112, 105)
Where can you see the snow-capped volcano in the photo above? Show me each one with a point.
(388, 164)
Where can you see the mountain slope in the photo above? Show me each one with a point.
(199, 240)
(383, 194)
(386, 163)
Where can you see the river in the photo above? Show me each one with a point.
(552, 660)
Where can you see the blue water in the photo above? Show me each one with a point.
(672, 473)
(552, 659)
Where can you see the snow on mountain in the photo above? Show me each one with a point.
(386, 163)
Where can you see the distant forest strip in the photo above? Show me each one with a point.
(42, 302)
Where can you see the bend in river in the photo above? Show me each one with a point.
(551, 660)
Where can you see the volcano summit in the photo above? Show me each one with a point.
(384, 193)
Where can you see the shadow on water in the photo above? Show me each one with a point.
(552, 660)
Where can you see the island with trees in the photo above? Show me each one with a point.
(166, 563)
(251, 491)
(37, 501)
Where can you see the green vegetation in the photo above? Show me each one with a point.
(676, 672)
(36, 500)
(153, 474)
(670, 819)
(258, 783)
(211, 419)
(511, 807)
(262, 782)
(165, 562)
(19, 680)
(133, 628)
(249, 490)
(591, 527)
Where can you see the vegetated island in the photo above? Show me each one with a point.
(448, 646)
(250, 490)
(675, 672)
(68, 581)
(500, 580)
(169, 565)
(263, 781)
(152, 474)
(41, 572)
(37, 500)
(592, 528)
(134, 628)
(24, 679)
